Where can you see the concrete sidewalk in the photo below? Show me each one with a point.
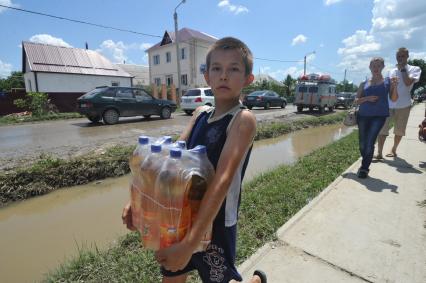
(358, 230)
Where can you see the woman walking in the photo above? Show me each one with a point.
(372, 97)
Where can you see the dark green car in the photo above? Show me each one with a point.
(111, 103)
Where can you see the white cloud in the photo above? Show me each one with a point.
(5, 69)
(299, 39)
(236, 9)
(145, 46)
(331, 2)
(114, 50)
(7, 3)
(393, 24)
(48, 39)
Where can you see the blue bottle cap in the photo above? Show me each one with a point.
(156, 148)
(166, 139)
(200, 149)
(143, 140)
(181, 144)
(175, 153)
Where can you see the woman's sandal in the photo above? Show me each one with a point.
(262, 275)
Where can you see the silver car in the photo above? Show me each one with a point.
(196, 97)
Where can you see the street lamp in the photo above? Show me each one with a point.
(304, 62)
(179, 93)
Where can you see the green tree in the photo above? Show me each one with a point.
(346, 86)
(15, 80)
(290, 84)
(422, 64)
(37, 102)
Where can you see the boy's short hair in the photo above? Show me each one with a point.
(231, 43)
(378, 59)
(404, 50)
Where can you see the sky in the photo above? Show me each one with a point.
(334, 35)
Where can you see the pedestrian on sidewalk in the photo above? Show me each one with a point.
(400, 109)
(372, 97)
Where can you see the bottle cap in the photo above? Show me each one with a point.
(175, 153)
(200, 149)
(166, 140)
(181, 144)
(155, 147)
(143, 140)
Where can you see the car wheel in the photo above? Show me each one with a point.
(283, 105)
(299, 108)
(166, 113)
(110, 116)
(147, 116)
(267, 105)
(94, 119)
(189, 112)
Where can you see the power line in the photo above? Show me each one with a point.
(80, 22)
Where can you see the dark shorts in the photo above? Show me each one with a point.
(217, 263)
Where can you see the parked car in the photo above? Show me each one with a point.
(111, 103)
(345, 99)
(265, 99)
(420, 97)
(196, 97)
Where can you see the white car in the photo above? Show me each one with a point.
(195, 97)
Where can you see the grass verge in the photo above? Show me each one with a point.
(6, 120)
(49, 173)
(268, 201)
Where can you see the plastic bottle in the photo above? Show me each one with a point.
(150, 168)
(174, 212)
(201, 175)
(138, 156)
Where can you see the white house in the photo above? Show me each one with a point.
(193, 46)
(63, 70)
(140, 73)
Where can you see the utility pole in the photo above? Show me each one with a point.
(179, 92)
(304, 62)
(344, 79)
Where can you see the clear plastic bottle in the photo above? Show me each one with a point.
(139, 154)
(174, 212)
(150, 168)
(201, 175)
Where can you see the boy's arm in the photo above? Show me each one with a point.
(239, 140)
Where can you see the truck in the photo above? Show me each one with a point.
(315, 91)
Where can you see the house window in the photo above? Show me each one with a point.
(169, 80)
(115, 83)
(168, 57)
(184, 79)
(182, 54)
(157, 81)
(156, 59)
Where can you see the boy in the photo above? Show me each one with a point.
(227, 131)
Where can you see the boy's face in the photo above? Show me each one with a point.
(226, 75)
(402, 58)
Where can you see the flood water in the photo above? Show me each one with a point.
(40, 233)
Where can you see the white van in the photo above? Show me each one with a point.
(195, 97)
(315, 91)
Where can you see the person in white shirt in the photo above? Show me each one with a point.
(400, 109)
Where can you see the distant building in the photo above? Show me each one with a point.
(193, 46)
(140, 73)
(66, 73)
(265, 77)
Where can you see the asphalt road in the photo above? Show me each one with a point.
(21, 143)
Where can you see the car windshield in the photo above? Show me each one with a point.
(193, 92)
(256, 93)
(94, 92)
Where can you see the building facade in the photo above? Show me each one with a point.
(193, 46)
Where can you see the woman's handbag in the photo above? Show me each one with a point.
(350, 119)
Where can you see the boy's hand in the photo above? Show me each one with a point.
(175, 257)
(126, 216)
